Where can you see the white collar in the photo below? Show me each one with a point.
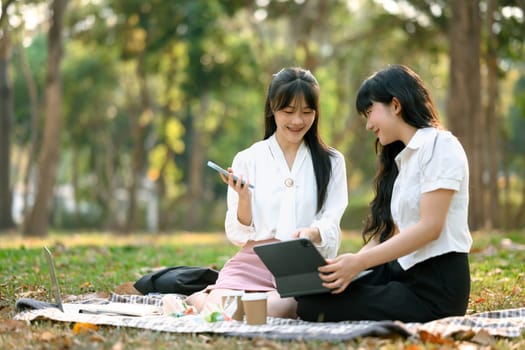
(278, 153)
(421, 136)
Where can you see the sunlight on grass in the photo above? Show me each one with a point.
(116, 240)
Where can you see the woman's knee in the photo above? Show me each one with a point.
(281, 307)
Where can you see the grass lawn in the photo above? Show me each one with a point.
(100, 263)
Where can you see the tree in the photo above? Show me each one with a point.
(6, 116)
(464, 95)
(514, 158)
(491, 116)
(36, 223)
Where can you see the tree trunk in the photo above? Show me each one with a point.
(196, 164)
(34, 107)
(37, 222)
(518, 220)
(104, 163)
(464, 99)
(6, 115)
(507, 204)
(492, 147)
(309, 22)
(139, 131)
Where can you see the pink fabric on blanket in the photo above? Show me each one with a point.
(245, 271)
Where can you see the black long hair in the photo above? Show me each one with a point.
(418, 110)
(286, 86)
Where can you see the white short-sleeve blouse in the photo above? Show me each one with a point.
(433, 159)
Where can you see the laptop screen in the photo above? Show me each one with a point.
(54, 281)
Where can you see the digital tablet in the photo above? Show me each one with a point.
(294, 265)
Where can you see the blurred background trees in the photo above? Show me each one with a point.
(150, 90)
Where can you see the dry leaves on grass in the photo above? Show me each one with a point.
(56, 341)
(428, 337)
(462, 339)
(9, 326)
(507, 243)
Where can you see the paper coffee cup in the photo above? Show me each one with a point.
(255, 307)
(232, 304)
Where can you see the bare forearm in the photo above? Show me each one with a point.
(244, 211)
(399, 245)
(433, 212)
(370, 244)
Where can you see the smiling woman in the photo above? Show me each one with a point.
(300, 191)
(416, 237)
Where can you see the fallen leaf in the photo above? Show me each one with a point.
(118, 346)
(11, 326)
(496, 271)
(95, 337)
(47, 336)
(463, 335)
(467, 346)
(516, 290)
(127, 288)
(86, 285)
(428, 337)
(483, 338)
(81, 327)
(205, 338)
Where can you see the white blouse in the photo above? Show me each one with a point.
(284, 200)
(433, 159)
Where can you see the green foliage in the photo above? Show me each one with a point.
(206, 66)
(36, 55)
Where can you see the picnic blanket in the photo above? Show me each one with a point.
(508, 323)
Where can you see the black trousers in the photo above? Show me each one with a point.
(435, 288)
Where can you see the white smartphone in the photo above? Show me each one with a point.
(225, 172)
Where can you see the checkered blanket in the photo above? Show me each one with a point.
(502, 323)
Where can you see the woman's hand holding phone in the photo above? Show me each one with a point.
(225, 175)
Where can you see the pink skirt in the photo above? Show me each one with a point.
(245, 271)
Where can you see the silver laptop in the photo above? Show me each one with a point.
(54, 281)
(109, 308)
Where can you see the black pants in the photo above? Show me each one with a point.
(435, 288)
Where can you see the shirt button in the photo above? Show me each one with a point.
(288, 182)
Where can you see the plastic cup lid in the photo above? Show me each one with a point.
(254, 296)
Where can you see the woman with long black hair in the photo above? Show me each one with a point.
(300, 191)
(416, 237)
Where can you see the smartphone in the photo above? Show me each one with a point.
(224, 172)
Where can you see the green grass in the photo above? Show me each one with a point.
(99, 263)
